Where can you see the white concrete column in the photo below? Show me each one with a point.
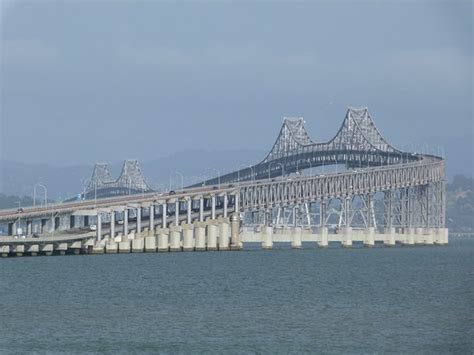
(189, 210)
(99, 227)
(223, 235)
(213, 207)
(152, 219)
(323, 234)
(267, 237)
(296, 242)
(176, 213)
(389, 236)
(237, 204)
(125, 221)
(347, 237)
(163, 214)
(225, 205)
(139, 220)
(112, 224)
(369, 237)
(188, 237)
(201, 209)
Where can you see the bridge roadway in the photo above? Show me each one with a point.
(224, 232)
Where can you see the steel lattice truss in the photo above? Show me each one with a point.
(130, 181)
(358, 142)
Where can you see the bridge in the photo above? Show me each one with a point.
(382, 195)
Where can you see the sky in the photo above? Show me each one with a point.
(86, 81)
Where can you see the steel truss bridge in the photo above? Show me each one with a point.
(382, 187)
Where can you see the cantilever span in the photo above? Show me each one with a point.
(130, 181)
(392, 197)
(357, 143)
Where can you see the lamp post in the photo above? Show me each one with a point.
(182, 179)
(45, 193)
(218, 177)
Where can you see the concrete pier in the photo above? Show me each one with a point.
(188, 237)
(224, 235)
(124, 246)
(267, 237)
(323, 232)
(347, 237)
(296, 242)
(4, 250)
(429, 236)
(47, 249)
(200, 233)
(212, 231)
(150, 244)
(32, 249)
(175, 238)
(111, 247)
(163, 239)
(389, 238)
(419, 236)
(369, 237)
(18, 249)
(138, 245)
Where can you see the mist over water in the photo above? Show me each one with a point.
(358, 300)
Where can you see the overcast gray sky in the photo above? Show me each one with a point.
(86, 80)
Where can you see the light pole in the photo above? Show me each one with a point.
(218, 177)
(182, 179)
(45, 194)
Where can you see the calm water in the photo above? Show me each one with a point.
(336, 300)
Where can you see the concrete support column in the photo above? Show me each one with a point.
(163, 215)
(389, 238)
(188, 237)
(11, 227)
(176, 213)
(369, 240)
(235, 230)
(29, 227)
(267, 237)
(200, 234)
(213, 207)
(296, 242)
(212, 230)
(225, 205)
(112, 225)
(163, 239)
(44, 225)
(237, 205)
(99, 227)
(52, 224)
(152, 219)
(446, 235)
(224, 234)
(201, 209)
(347, 237)
(125, 221)
(323, 234)
(189, 211)
(139, 220)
